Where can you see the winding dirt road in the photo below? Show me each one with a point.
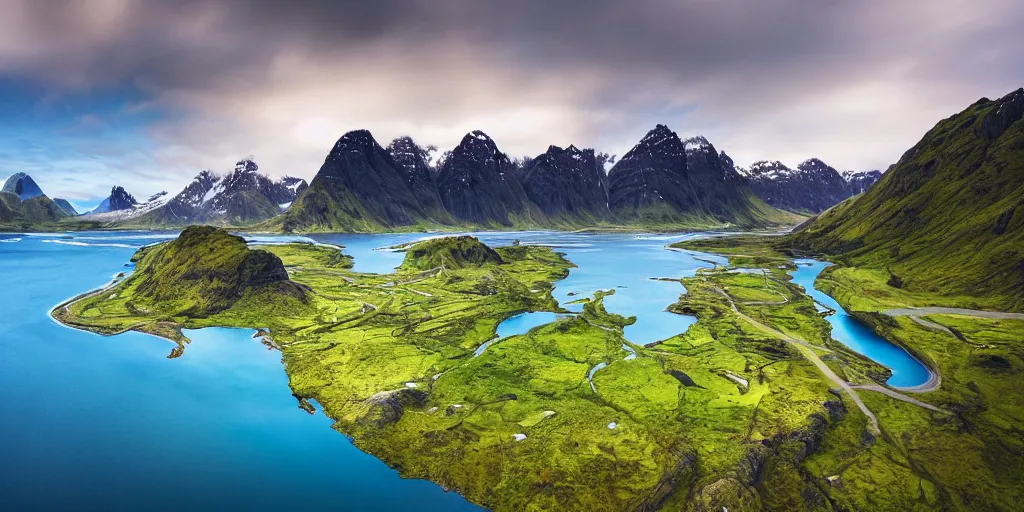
(808, 352)
(918, 312)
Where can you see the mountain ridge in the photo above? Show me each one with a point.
(948, 217)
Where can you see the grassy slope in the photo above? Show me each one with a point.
(948, 218)
(687, 434)
(18, 215)
(967, 461)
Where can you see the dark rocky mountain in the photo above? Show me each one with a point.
(23, 186)
(65, 207)
(567, 183)
(118, 200)
(653, 183)
(360, 187)
(859, 182)
(188, 206)
(653, 173)
(412, 161)
(812, 187)
(477, 184)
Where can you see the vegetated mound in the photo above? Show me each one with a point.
(65, 207)
(451, 252)
(29, 211)
(206, 270)
(948, 217)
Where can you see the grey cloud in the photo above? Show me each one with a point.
(854, 82)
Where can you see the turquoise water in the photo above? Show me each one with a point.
(90, 422)
(906, 370)
(625, 263)
(108, 423)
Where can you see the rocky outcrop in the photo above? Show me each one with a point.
(387, 407)
(207, 270)
(451, 253)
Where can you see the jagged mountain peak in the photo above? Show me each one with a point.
(812, 163)
(1009, 109)
(727, 160)
(478, 146)
(659, 135)
(23, 186)
(361, 138)
(572, 152)
(479, 135)
(247, 164)
(697, 143)
(120, 199)
(477, 138)
(767, 165)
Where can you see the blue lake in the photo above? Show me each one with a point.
(108, 423)
(906, 370)
(90, 422)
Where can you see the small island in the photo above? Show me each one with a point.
(754, 407)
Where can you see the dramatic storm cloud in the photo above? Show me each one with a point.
(145, 93)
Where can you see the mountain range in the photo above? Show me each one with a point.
(242, 197)
(663, 182)
(812, 187)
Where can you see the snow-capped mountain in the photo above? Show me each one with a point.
(813, 186)
(243, 196)
(860, 181)
(120, 205)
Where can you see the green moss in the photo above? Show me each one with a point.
(724, 415)
(450, 253)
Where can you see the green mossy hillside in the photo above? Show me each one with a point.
(450, 253)
(206, 270)
(948, 218)
(966, 460)
(28, 214)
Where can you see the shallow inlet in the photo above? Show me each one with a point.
(907, 371)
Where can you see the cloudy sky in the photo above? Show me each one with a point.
(146, 93)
